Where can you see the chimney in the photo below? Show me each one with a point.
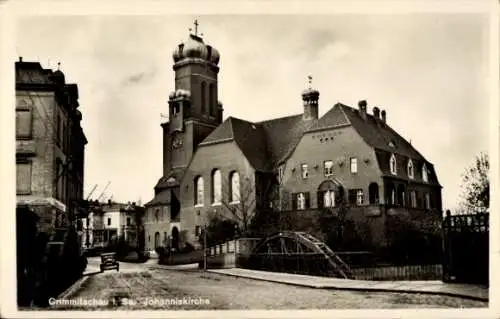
(362, 109)
(20, 59)
(376, 113)
(383, 116)
(109, 202)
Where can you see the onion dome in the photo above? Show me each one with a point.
(194, 47)
(310, 94)
(179, 93)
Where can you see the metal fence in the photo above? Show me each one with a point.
(317, 265)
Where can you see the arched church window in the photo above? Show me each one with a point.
(216, 187)
(234, 184)
(198, 190)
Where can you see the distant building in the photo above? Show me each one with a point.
(50, 147)
(110, 221)
(348, 155)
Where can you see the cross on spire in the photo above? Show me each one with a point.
(195, 28)
(58, 66)
(309, 79)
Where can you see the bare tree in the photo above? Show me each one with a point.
(476, 186)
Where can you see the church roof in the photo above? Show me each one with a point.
(379, 135)
(265, 144)
(268, 143)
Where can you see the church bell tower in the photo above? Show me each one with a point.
(194, 110)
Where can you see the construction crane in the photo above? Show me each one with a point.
(91, 192)
(102, 193)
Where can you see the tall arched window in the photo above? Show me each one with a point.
(198, 191)
(204, 106)
(425, 178)
(211, 98)
(329, 198)
(234, 184)
(393, 164)
(216, 187)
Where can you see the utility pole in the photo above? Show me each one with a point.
(205, 247)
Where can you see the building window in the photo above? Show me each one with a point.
(392, 164)
(373, 195)
(197, 230)
(354, 165)
(234, 184)
(413, 199)
(24, 123)
(304, 171)
(216, 187)
(359, 197)
(356, 196)
(23, 178)
(425, 177)
(165, 238)
(401, 195)
(109, 221)
(427, 201)
(198, 190)
(203, 97)
(149, 238)
(301, 201)
(128, 221)
(329, 198)
(410, 169)
(157, 214)
(328, 168)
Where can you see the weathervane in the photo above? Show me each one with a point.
(195, 28)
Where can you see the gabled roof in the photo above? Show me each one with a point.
(162, 198)
(334, 117)
(265, 143)
(283, 134)
(172, 179)
(379, 135)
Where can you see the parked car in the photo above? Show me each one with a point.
(108, 261)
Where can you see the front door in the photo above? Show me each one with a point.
(175, 238)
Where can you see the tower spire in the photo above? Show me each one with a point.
(309, 80)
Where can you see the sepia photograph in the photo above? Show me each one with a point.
(208, 161)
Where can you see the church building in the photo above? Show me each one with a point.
(348, 155)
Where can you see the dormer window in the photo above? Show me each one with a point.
(391, 144)
(410, 169)
(425, 177)
(392, 164)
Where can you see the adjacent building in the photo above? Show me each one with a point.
(50, 147)
(110, 221)
(350, 154)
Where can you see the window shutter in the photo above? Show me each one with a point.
(308, 202)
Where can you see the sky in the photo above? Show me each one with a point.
(428, 71)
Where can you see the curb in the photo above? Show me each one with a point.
(73, 288)
(365, 289)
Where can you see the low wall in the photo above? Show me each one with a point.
(228, 254)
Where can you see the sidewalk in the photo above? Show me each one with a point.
(427, 287)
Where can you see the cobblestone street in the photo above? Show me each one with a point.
(137, 288)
